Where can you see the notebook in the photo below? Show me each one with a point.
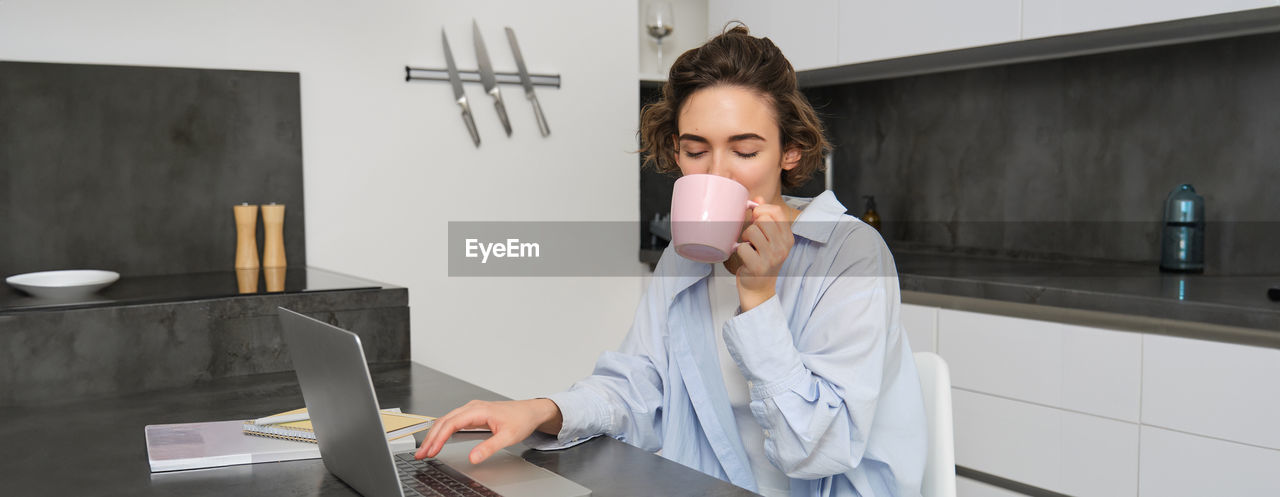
(172, 447)
(396, 424)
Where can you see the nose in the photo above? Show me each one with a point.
(719, 164)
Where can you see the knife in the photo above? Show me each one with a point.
(487, 77)
(456, 81)
(528, 84)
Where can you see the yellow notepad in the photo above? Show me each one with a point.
(396, 424)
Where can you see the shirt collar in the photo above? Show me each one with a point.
(818, 217)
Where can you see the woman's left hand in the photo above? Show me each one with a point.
(769, 241)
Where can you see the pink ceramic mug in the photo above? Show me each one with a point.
(707, 212)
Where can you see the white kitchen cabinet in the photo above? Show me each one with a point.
(805, 30)
(1063, 451)
(824, 33)
(1215, 389)
(1178, 464)
(1089, 370)
(878, 29)
(1064, 407)
(921, 325)
(1042, 18)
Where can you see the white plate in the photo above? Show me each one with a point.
(68, 284)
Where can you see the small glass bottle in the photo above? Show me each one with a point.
(871, 217)
(1182, 242)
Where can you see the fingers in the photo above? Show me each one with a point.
(764, 241)
(768, 241)
(498, 441)
(470, 416)
(756, 239)
(508, 421)
(435, 433)
(439, 431)
(772, 221)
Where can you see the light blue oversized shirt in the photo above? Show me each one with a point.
(832, 380)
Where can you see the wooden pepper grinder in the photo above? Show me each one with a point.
(273, 260)
(246, 247)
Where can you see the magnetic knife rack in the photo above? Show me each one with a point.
(506, 78)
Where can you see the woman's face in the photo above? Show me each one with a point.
(732, 132)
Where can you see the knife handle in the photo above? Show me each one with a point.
(469, 121)
(537, 112)
(501, 108)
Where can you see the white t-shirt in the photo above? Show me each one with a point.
(723, 290)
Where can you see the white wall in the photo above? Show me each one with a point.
(384, 159)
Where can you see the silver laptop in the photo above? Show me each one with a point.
(339, 396)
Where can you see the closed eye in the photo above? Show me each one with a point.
(694, 155)
(747, 156)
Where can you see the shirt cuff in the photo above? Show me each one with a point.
(542, 441)
(759, 340)
(583, 416)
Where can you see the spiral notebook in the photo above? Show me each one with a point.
(396, 424)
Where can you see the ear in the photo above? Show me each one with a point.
(790, 159)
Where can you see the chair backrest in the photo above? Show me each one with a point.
(940, 466)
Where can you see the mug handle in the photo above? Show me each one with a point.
(750, 205)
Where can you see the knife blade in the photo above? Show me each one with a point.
(528, 83)
(487, 77)
(458, 92)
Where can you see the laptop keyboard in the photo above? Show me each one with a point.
(433, 478)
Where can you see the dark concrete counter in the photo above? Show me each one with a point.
(1212, 307)
(97, 447)
(134, 290)
(1229, 308)
(174, 332)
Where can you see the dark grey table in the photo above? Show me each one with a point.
(97, 447)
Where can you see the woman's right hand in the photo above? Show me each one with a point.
(510, 422)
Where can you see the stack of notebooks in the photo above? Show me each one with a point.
(396, 423)
(173, 447)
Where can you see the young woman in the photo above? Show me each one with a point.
(783, 370)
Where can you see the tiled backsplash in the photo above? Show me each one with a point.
(1072, 157)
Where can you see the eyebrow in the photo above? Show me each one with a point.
(734, 138)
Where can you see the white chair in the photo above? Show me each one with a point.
(940, 466)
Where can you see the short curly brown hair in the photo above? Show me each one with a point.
(735, 58)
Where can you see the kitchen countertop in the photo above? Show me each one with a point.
(159, 332)
(134, 290)
(1136, 296)
(98, 448)
(1129, 296)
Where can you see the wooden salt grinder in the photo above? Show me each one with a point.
(246, 236)
(273, 228)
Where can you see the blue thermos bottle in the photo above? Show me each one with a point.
(1182, 243)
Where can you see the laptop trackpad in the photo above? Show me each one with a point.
(508, 474)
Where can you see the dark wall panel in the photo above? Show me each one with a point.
(1072, 157)
(135, 169)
